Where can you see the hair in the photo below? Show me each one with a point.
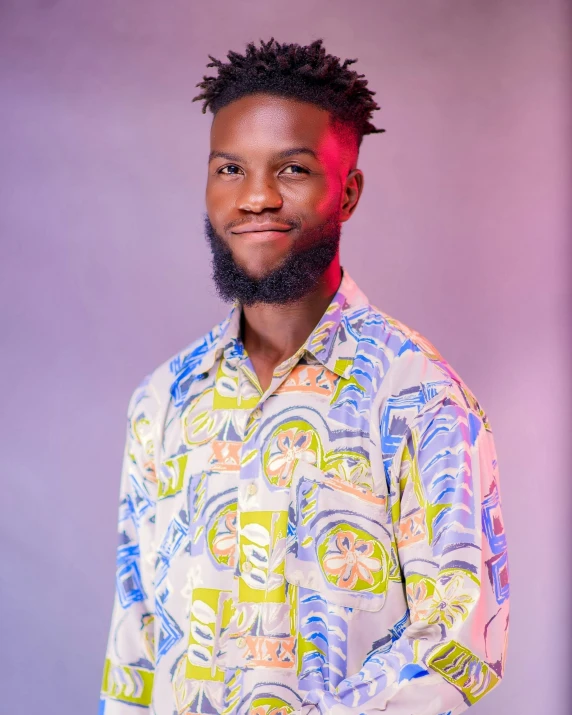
(305, 73)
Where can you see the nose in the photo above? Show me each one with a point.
(258, 193)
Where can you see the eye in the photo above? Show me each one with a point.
(300, 169)
(229, 173)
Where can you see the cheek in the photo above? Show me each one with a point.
(314, 201)
(328, 198)
(219, 196)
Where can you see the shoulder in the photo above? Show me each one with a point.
(407, 356)
(169, 381)
(416, 378)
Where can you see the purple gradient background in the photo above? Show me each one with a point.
(462, 232)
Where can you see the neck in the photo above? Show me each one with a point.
(272, 332)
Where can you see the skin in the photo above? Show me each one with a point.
(250, 179)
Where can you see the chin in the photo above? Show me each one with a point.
(259, 266)
(257, 270)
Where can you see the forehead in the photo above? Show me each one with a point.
(270, 121)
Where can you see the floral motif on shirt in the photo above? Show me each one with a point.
(291, 443)
(351, 559)
(447, 602)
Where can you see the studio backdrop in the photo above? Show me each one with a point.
(462, 233)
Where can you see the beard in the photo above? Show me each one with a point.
(296, 275)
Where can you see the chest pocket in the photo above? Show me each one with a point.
(339, 540)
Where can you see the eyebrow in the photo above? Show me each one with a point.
(281, 155)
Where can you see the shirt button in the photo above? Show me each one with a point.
(251, 489)
(240, 642)
(247, 567)
(257, 413)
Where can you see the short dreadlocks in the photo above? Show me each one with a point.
(305, 73)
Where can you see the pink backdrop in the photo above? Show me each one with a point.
(462, 233)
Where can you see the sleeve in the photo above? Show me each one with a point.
(449, 535)
(129, 663)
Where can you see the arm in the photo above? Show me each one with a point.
(129, 664)
(445, 501)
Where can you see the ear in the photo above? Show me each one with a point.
(353, 188)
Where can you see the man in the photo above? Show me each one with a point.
(310, 512)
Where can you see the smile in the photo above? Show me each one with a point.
(263, 235)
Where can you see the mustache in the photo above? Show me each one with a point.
(293, 222)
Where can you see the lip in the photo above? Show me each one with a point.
(260, 236)
(263, 228)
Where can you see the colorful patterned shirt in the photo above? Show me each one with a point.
(334, 544)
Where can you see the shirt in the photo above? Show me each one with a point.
(332, 545)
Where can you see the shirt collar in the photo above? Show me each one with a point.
(333, 342)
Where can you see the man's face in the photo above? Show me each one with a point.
(276, 196)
